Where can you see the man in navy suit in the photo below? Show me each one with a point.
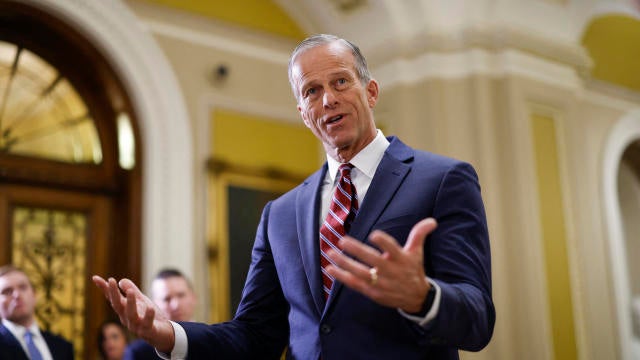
(412, 280)
(17, 309)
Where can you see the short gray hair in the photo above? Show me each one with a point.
(322, 39)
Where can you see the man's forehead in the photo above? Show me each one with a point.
(332, 66)
(13, 278)
(325, 52)
(14, 275)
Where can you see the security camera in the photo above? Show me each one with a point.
(220, 73)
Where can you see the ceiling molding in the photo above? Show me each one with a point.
(626, 96)
(491, 39)
(215, 41)
(207, 32)
(470, 62)
(348, 6)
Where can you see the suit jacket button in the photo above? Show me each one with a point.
(325, 328)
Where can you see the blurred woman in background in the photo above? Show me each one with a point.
(112, 340)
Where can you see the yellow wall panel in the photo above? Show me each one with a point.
(613, 42)
(554, 238)
(260, 142)
(261, 15)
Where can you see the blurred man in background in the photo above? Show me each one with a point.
(20, 336)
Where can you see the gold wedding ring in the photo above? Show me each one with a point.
(373, 276)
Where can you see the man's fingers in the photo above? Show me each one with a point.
(362, 252)
(126, 284)
(115, 296)
(349, 265)
(132, 306)
(386, 243)
(419, 232)
(101, 284)
(149, 315)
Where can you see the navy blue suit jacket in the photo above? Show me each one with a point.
(140, 350)
(10, 348)
(282, 302)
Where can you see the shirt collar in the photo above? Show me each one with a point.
(366, 161)
(19, 330)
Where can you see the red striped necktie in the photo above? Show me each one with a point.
(343, 208)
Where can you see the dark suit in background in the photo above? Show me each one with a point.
(10, 348)
(140, 350)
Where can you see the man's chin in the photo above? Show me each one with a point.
(19, 318)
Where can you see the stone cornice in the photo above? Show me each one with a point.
(490, 39)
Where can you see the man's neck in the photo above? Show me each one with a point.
(345, 155)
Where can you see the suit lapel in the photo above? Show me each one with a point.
(391, 172)
(307, 213)
(10, 346)
(53, 349)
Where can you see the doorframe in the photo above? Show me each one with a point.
(622, 134)
(165, 129)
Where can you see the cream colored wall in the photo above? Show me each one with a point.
(585, 142)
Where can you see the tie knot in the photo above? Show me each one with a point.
(345, 168)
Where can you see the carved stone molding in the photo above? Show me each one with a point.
(492, 39)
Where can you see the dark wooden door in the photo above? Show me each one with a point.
(60, 238)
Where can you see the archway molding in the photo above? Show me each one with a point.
(623, 134)
(167, 169)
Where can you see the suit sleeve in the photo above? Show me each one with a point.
(260, 328)
(457, 257)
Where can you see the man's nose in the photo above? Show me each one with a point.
(174, 304)
(329, 99)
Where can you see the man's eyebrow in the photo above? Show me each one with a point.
(306, 82)
(341, 72)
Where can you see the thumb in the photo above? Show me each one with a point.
(418, 233)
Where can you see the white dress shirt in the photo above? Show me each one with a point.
(18, 332)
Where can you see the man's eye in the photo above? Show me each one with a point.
(310, 91)
(342, 81)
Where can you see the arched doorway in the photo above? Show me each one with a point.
(621, 192)
(69, 202)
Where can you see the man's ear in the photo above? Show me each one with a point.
(373, 91)
(304, 118)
